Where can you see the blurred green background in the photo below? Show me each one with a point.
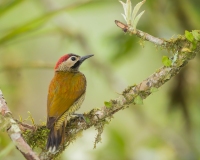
(35, 33)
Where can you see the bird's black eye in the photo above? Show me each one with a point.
(73, 58)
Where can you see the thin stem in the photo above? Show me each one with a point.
(141, 34)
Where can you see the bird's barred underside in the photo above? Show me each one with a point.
(70, 111)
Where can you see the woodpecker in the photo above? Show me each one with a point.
(66, 94)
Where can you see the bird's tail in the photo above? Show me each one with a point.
(56, 138)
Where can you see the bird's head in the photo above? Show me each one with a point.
(70, 62)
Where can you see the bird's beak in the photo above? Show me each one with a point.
(85, 57)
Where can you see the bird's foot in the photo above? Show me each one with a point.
(80, 116)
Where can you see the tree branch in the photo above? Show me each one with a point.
(131, 95)
(13, 130)
(140, 34)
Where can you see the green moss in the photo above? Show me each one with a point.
(36, 139)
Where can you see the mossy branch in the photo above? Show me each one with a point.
(10, 125)
(184, 48)
(135, 94)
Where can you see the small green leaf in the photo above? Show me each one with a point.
(194, 45)
(124, 17)
(108, 104)
(130, 15)
(166, 61)
(138, 100)
(153, 89)
(189, 36)
(87, 119)
(196, 34)
(125, 10)
(136, 9)
(137, 18)
(129, 11)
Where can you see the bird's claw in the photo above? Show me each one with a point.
(80, 116)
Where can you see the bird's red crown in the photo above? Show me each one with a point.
(62, 59)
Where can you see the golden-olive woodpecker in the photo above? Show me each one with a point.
(66, 94)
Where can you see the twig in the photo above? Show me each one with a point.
(141, 34)
(24, 126)
(14, 131)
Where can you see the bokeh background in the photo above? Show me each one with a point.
(35, 33)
